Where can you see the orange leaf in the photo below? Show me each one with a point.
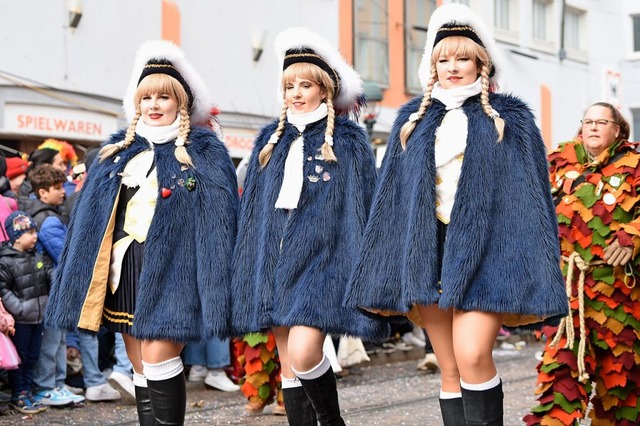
(266, 355)
(257, 379)
(271, 342)
(563, 416)
(612, 380)
(249, 390)
(626, 160)
(253, 366)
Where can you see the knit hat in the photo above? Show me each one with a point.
(16, 166)
(454, 19)
(161, 56)
(18, 223)
(298, 44)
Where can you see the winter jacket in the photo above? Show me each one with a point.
(183, 288)
(52, 227)
(7, 206)
(24, 284)
(501, 252)
(291, 267)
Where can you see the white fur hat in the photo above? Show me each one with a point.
(458, 14)
(298, 44)
(168, 58)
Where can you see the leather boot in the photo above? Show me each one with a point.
(168, 400)
(143, 404)
(300, 412)
(483, 408)
(452, 412)
(323, 394)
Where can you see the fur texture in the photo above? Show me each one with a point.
(501, 252)
(292, 269)
(461, 14)
(350, 82)
(183, 290)
(159, 49)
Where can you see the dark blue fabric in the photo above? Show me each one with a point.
(27, 340)
(291, 268)
(183, 291)
(501, 252)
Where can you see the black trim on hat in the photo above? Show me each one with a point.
(304, 54)
(455, 30)
(162, 66)
(451, 30)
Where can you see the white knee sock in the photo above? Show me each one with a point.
(163, 370)
(139, 380)
(481, 386)
(450, 395)
(288, 383)
(316, 371)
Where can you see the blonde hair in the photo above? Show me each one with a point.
(462, 46)
(313, 73)
(154, 84)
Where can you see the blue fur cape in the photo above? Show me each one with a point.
(501, 253)
(292, 268)
(183, 289)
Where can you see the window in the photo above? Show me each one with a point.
(505, 20)
(501, 15)
(575, 34)
(542, 25)
(636, 34)
(371, 41)
(417, 14)
(635, 136)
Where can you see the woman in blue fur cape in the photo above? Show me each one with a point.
(462, 229)
(149, 247)
(307, 193)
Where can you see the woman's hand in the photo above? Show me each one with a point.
(617, 255)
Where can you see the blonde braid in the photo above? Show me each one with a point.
(409, 126)
(327, 151)
(181, 153)
(267, 150)
(113, 148)
(484, 100)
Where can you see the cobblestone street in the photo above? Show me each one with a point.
(387, 391)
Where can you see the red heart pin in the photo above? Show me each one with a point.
(165, 192)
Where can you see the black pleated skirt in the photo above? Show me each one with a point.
(119, 307)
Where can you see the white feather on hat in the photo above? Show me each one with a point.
(351, 92)
(162, 49)
(459, 14)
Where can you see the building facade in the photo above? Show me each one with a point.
(65, 80)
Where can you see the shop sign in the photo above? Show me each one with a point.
(62, 123)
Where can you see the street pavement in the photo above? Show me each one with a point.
(389, 390)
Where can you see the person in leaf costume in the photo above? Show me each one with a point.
(593, 355)
(260, 371)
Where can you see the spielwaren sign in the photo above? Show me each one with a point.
(63, 123)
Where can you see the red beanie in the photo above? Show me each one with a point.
(16, 166)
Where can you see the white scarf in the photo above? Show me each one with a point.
(454, 98)
(293, 167)
(158, 134)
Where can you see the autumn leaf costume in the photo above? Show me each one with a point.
(594, 354)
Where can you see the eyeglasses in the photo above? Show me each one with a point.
(599, 123)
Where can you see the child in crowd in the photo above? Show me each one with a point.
(51, 367)
(24, 286)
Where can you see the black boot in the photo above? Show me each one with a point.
(323, 394)
(483, 408)
(143, 404)
(168, 400)
(300, 412)
(452, 412)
